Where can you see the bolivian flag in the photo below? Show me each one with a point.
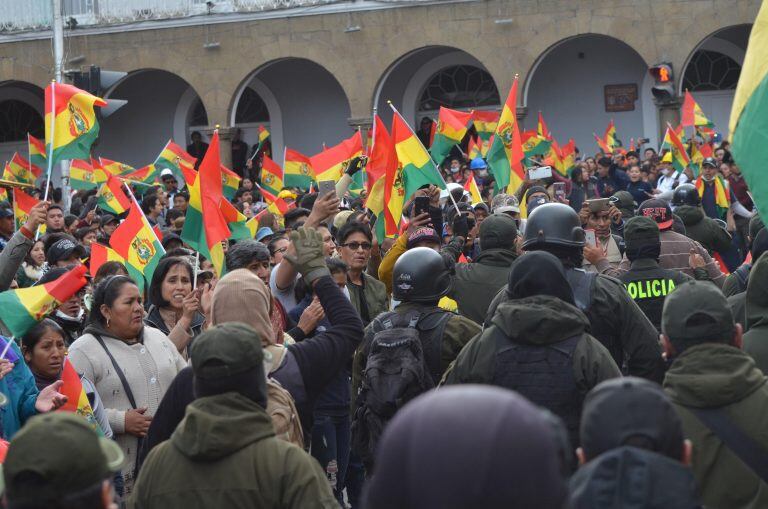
(610, 135)
(451, 128)
(414, 169)
(604, 147)
(473, 149)
(722, 194)
(205, 226)
(263, 136)
(297, 170)
(112, 198)
(146, 175)
(176, 159)
(275, 204)
(470, 186)
(70, 122)
(485, 123)
(82, 175)
(36, 151)
(137, 243)
(692, 115)
(382, 157)
(115, 167)
(21, 309)
(230, 181)
(506, 154)
(534, 144)
(100, 255)
(329, 164)
(22, 171)
(22, 204)
(271, 175)
(680, 159)
(749, 115)
(541, 128)
(77, 399)
(236, 221)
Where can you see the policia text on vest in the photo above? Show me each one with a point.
(649, 288)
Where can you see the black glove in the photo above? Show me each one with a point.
(460, 226)
(356, 164)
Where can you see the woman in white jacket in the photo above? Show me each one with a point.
(131, 365)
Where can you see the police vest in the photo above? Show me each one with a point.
(649, 288)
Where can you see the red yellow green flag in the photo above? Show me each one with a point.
(297, 170)
(610, 135)
(692, 115)
(3, 194)
(205, 226)
(605, 148)
(230, 182)
(541, 128)
(22, 204)
(485, 123)
(144, 175)
(680, 158)
(137, 243)
(77, 399)
(22, 171)
(506, 154)
(176, 159)
(381, 157)
(473, 149)
(329, 164)
(112, 198)
(275, 204)
(271, 175)
(470, 186)
(36, 150)
(263, 136)
(21, 309)
(115, 167)
(722, 194)
(485, 146)
(451, 128)
(696, 156)
(100, 255)
(568, 156)
(236, 221)
(70, 122)
(534, 144)
(555, 158)
(415, 165)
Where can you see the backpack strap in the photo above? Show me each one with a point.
(743, 274)
(752, 454)
(581, 283)
(436, 321)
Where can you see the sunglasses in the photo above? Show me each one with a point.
(354, 246)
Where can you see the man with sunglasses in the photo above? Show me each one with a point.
(368, 295)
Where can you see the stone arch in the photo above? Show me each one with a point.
(306, 105)
(22, 110)
(404, 81)
(163, 96)
(589, 63)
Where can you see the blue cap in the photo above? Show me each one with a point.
(264, 231)
(477, 164)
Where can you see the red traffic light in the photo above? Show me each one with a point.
(662, 73)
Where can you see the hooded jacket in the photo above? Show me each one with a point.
(632, 478)
(756, 338)
(225, 454)
(476, 284)
(703, 229)
(716, 375)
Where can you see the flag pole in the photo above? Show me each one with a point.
(455, 205)
(197, 270)
(7, 347)
(50, 150)
(136, 202)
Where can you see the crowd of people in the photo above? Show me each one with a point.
(595, 340)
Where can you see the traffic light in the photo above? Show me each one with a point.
(664, 87)
(98, 82)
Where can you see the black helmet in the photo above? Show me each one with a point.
(420, 275)
(554, 224)
(686, 194)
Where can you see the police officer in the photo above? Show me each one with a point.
(615, 320)
(647, 283)
(420, 279)
(706, 231)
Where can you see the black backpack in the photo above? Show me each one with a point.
(403, 361)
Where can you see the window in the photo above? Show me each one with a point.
(199, 116)
(251, 108)
(18, 118)
(460, 86)
(710, 70)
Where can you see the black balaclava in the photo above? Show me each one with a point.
(539, 273)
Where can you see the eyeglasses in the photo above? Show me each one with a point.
(354, 246)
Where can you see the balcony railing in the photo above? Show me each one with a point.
(22, 15)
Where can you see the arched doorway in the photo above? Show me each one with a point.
(22, 107)
(161, 105)
(712, 72)
(421, 81)
(574, 82)
(299, 101)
